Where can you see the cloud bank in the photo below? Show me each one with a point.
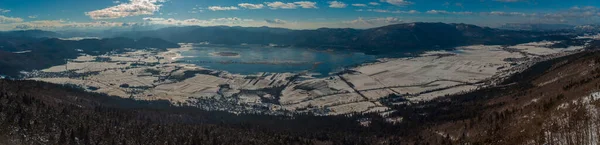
(132, 8)
(337, 4)
(251, 6)
(294, 5)
(220, 8)
(276, 21)
(5, 19)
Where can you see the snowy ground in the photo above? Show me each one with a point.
(431, 75)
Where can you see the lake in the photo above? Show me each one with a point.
(255, 59)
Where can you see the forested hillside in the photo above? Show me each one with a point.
(40, 113)
(553, 102)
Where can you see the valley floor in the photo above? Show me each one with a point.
(153, 75)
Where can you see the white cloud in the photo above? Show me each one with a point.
(397, 2)
(5, 19)
(576, 12)
(281, 5)
(374, 3)
(40, 24)
(276, 21)
(251, 6)
(359, 5)
(463, 13)
(198, 22)
(307, 4)
(196, 11)
(133, 8)
(4, 11)
(388, 11)
(220, 8)
(337, 4)
(443, 12)
(437, 12)
(294, 5)
(500, 13)
(33, 16)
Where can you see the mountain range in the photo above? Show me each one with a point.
(44, 49)
(590, 28)
(392, 39)
(536, 27)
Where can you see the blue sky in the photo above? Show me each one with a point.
(295, 14)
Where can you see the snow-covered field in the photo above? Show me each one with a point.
(431, 75)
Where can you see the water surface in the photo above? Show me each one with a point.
(256, 59)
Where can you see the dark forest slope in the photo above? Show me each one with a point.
(40, 113)
(550, 103)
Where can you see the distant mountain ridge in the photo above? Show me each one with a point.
(44, 53)
(536, 27)
(10, 40)
(29, 33)
(398, 38)
(392, 41)
(588, 28)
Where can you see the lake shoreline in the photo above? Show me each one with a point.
(250, 59)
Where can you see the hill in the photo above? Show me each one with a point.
(11, 40)
(537, 27)
(41, 113)
(553, 102)
(27, 53)
(30, 33)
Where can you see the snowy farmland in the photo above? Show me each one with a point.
(151, 75)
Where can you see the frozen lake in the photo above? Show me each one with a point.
(255, 59)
